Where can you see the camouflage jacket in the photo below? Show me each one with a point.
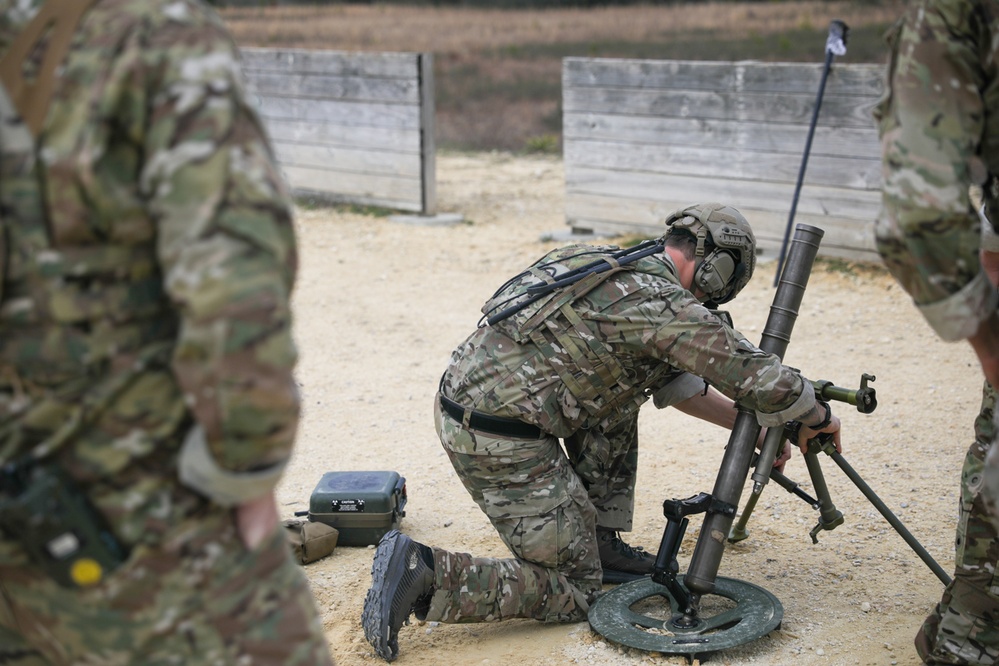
(939, 124)
(632, 332)
(148, 258)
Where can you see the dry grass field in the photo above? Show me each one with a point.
(498, 72)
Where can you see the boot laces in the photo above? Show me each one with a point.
(623, 548)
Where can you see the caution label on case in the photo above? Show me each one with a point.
(347, 506)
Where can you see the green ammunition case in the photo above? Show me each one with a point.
(362, 506)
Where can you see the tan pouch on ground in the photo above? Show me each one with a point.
(310, 541)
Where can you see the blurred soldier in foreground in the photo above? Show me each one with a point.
(574, 359)
(147, 406)
(939, 124)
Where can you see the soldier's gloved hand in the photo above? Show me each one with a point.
(257, 519)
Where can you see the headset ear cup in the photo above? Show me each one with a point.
(715, 273)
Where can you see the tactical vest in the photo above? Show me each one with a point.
(76, 318)
(601, 381)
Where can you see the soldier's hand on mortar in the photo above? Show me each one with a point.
(807, 433)
(782, 457)
(257, 519)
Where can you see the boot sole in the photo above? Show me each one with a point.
(611, 577)
(387, 565)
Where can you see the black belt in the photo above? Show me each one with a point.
(496, 425)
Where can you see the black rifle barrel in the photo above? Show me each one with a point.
(706, 558)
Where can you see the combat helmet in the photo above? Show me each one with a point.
(726, 248)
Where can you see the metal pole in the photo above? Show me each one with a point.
(835, 45)
(890, 517)
(706, 558)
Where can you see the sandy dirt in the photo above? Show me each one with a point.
(380, 304)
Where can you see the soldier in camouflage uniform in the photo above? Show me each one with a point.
(939, 123)
(574, 360)
(147, 257)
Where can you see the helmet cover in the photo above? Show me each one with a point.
(726, 248)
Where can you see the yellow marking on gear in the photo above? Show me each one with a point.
(86, 572)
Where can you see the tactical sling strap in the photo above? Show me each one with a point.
(612, 262)
(57, 20)
(549, 320)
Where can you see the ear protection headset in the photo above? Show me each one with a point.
(725, 246)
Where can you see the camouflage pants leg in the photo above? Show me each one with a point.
(607, 463)
(964, 627)
(540, 509)
(198, 597)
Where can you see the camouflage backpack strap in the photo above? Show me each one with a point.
(594, 375)
(537, 294)
(535, 284)
(593, 371)
(56, 21)
(566, 296)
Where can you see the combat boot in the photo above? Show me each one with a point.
(621, 562)
(402, 583)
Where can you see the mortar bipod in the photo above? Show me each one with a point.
(865, 400)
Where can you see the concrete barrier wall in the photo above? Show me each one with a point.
(350, 127)
(643, 138)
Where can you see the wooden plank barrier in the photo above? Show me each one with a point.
(643, 138)
(349, 127)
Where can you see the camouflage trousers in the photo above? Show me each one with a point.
(541, 509)
(964, 626)
(197, 597)
(606, 461)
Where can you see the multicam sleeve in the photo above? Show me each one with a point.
(228, 256)
(677, 329)
(931, 124)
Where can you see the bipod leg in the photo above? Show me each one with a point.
(829, 516)
(772, 443)
(793, 488)
(883, 509)
(739, 531)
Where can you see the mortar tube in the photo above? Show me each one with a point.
(706, 558)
